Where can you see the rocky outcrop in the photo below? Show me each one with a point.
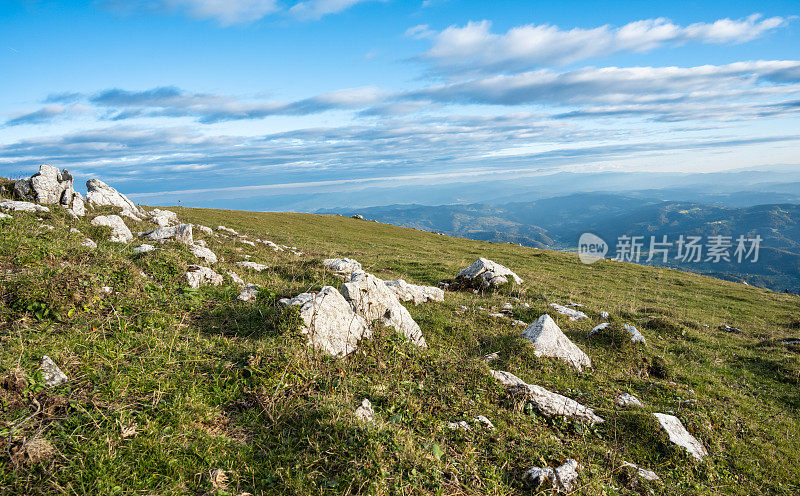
(119, 231)
(486, 273)
(342, 266)
(203, 253)
(21, 206)
(50, 186)
(52, 375)
(181, 233)
(679, 435)
(562, 478)
(413, 292)
(569, 312)
(373, 300)
(102, 195)
(548, 403)
(329, 321)
(548, 340)
(197, 276)
(163, 218)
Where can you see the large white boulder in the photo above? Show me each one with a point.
(119, 231)
(181, 233)
(373, 300)
(488, 273)
(101, 194)
(50, 186)
(21, 206)
(163, 218)
(548, 340)
(548, 403)
(413, 292)
(342, 266)
(562, 478)
(679, 435)
(329, 321)
(197, 276)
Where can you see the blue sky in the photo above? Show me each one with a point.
(259, 103)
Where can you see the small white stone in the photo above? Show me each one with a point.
(144, 248)
(52, 375)
(485, 421)
(252, 265)
(626, 399)
(364, 412)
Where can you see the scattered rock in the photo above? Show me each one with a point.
(330, 321)
(252, 265)
(250, 243)
(143, 248)
(235, 278)
(106, 289)
(249, 292)
(485, 421)
(21, 206)
(462, 308)
(52, 375)
(548, 340)
(357, 216)
(342, 266)
(647, 475)
(604, 315)
(227, 230)
(548, 403)
(562, 478)
(498, 315)
(364, 412)
(458, 426)
(198, 275)
(507, 307)
(88, 243)
(679, 435)
(218, 478)
(598, 328)
(491, 357)
(626, 400)
(163, 218)
(636, 336)
(5, 216)
(413, 292)
(101, 194)
(203, 253)
(119, 231)
(519, 323)
(204, 229)
(569, 312)
(181, 233)
(373, 300)
(72, 230)
(200, 242)
(488, 273)
(727, 328)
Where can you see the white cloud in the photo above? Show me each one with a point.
(316, 9)
(475, 48)
(226, 12)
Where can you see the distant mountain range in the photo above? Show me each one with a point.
(557, 223)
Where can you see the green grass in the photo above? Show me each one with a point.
(211, 382)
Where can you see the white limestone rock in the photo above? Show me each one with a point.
(626, 400)
(364, 412)
(144, 248)
(679, 435)
(235, 278)
(204, 229)
(598, 328)
(485, 422)
(227, 230)
(647, 475)
(52, 375)
(562, 478)
(604, 315)
(413, 292)
(569, 312)
(198, 275)
(5, 216)
(50, 186)
(548, 340)
(373, 300)
(101, 194)
(119, 231)
(88, 243)
(548, 403)
(636, 336)
(249, 292)
(203, 253)
(21, 206)
(329, 321)
(252, 265)
(342, 266)
(163, 218)
(458, 426)
(488, 273)
(181, 233)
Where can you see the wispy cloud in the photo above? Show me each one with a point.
(316, 9)
(475, 48)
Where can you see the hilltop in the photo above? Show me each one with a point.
(180, 390)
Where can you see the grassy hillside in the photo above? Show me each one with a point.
(168, 384)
